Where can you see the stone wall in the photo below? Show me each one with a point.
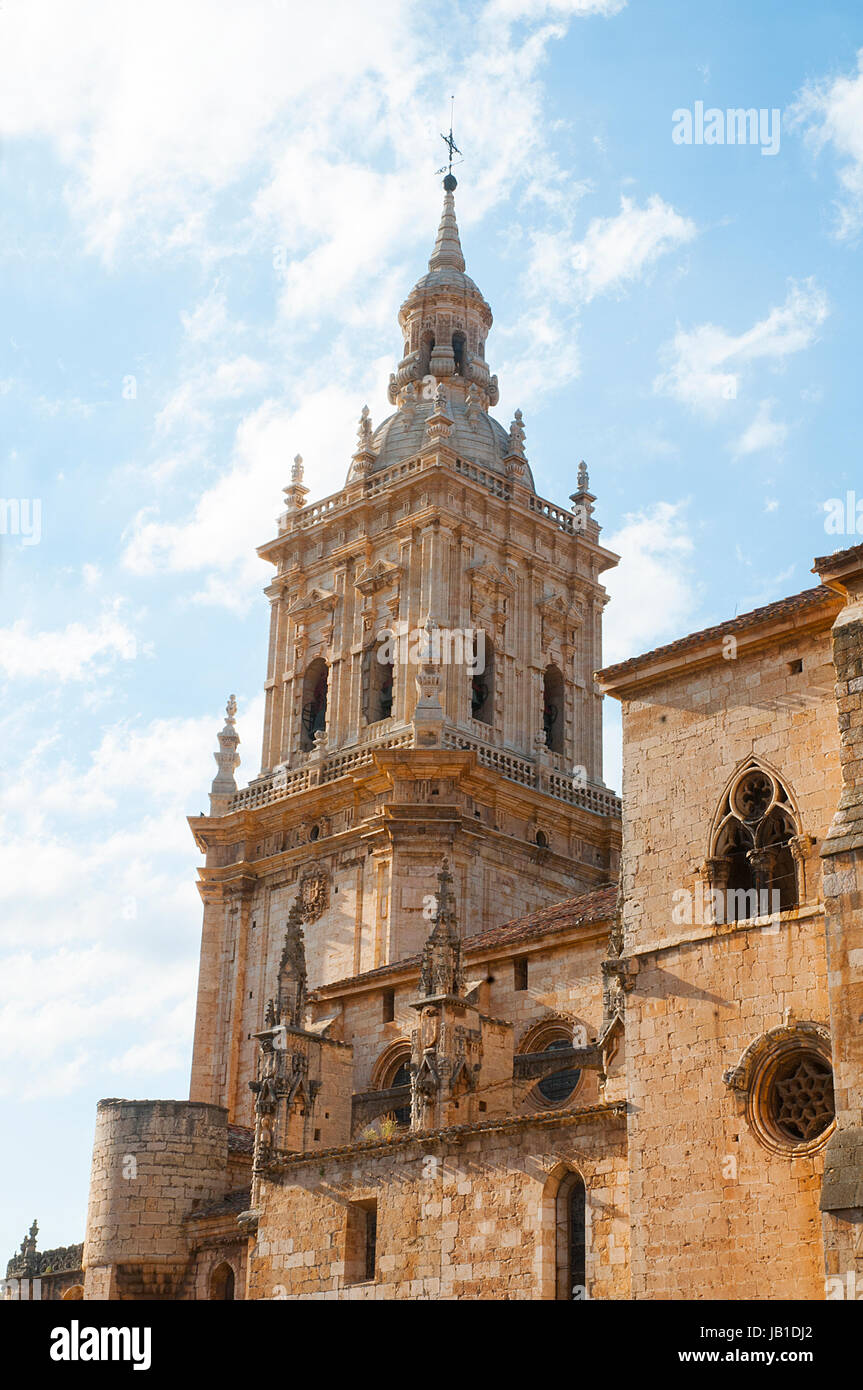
(466, 1215)
(717, 1213)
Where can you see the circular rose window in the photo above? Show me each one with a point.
(801, 1097)
(791, 1101)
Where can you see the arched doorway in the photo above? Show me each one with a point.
(222, 1283)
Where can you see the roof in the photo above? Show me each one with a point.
(587, 908)
(481, 440)
(235, 1201)
(241, 1139)
(840, 559)
(808, 601)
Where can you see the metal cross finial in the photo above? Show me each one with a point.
(450, 143)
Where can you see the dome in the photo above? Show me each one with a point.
(477, 438)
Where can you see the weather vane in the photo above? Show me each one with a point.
(451, 145)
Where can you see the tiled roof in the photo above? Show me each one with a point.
(596, 906)
(837, 559)
(241, 1139)
(572, 912)
(235, 1201)
(783, 608)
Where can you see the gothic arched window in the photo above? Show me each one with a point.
(482, 681)
(394, 1069)
(552, 708)
(571, 1241)
(314, 712)
(751, 858)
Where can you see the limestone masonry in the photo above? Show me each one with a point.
(452, 1041)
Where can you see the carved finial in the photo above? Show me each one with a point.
(444, 885)
(227, 758)
(295, 492)
(582, 499)
(516, 434)
(441, 971)
(364, 455)
(439, 424)
(364, 430)
(291, 1002)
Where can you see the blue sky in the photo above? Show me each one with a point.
(209, 214)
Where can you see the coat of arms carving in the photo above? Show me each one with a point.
(314, 894)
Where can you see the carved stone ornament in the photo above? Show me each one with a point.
(314, 894)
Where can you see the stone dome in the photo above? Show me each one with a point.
(478, 438)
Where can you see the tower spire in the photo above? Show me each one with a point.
(441, 971)
(447, 249)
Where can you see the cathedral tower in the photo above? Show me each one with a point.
(435, 626)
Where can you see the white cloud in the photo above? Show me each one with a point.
(154, 134)
(654, 599)
(211, 383)
(763, 432)
(539, 9)
(654, 594)
(239, 511)
(614, 251)
(830, 111)
(73, 653)
(706, 363)
(150, 150)
(563, 275)
(97, 876)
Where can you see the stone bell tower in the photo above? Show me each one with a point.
(435, 626)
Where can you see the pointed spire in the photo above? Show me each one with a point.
(441, 971)
(291, 1002)
(447, 249)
